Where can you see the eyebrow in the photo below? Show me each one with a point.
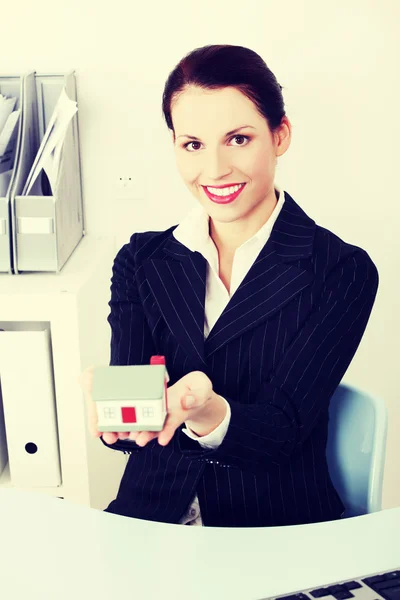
(192, 137)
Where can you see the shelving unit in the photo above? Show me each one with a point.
(74, 304)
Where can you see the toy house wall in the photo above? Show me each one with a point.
(147, 412)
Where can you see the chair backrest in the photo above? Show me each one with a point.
(356, 448)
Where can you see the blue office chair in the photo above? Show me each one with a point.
(356, 449)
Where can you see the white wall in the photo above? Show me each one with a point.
(338, 63)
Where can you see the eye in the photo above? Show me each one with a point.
(235, 137)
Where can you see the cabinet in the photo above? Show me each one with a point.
(74, 305)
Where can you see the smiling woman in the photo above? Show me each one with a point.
(238, 129)
(250, 293)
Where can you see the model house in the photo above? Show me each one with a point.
(131, 397)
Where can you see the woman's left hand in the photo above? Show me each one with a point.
(195, 384)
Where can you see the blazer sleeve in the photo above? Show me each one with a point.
(292, 399)
(131, 339)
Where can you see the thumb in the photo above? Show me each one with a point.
(190, 401)
(193, 398)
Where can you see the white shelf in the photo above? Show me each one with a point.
(74, 303)
(5, 481)
(86, 258)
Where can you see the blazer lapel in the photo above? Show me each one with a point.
(178, 282)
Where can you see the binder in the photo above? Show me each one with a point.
(47, 227)
(27, 385)
(9, 86)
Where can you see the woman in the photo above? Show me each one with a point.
(257, 309)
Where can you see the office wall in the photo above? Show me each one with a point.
(338, 63)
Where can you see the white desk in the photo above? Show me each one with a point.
(53, 549)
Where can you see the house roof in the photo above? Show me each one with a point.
(128, 382)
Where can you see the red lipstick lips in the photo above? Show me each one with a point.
(224, 199)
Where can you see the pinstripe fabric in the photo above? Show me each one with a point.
(277, 353)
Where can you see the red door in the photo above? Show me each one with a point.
(128, 414)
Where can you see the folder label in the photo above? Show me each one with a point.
(35, 225)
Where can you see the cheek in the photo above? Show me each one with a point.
(260, 168)
(254, 162)
(187, 170)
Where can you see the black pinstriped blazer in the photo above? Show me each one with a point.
(277, 354)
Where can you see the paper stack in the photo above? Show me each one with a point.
(8, 139)
(48, 157)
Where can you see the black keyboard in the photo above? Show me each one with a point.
(384, 585)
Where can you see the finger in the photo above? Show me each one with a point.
(188, 401)
(94, 432)
(193, 398)
(110, 437)
(92, 418)
(166, 435)
(86, 379)
(164, 439)
(145, 437)
(123, 435)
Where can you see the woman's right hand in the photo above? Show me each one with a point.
(86, 381)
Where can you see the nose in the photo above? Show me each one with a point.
(216, 167)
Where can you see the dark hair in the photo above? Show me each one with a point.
(218, 66)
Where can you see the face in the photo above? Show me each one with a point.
(247, 156)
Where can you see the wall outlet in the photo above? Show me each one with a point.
(129, 189)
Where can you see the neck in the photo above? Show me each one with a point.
(227, 237)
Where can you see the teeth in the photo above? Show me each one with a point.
(225, 191)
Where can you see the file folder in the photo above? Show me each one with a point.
(30, 416)
(3, 439)
(11, 86)
(46, 227)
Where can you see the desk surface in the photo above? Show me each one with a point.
(53, 549)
